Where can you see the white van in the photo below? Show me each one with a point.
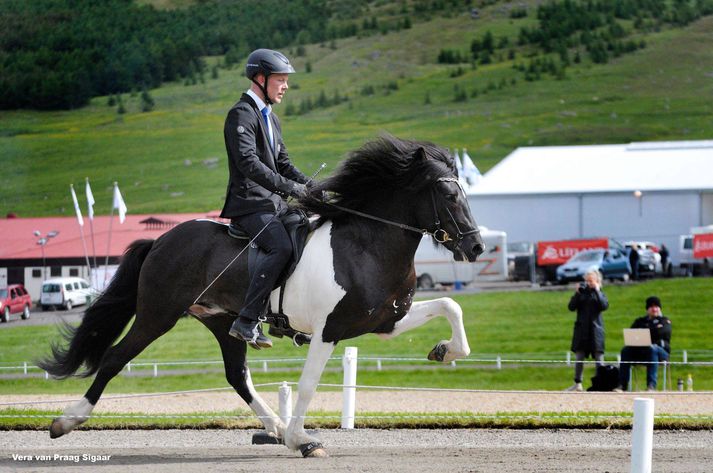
(65, 292)
(435, 264)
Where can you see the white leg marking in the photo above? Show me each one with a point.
(73, 416)
(272, 422)
(317, 357)
(423, 311)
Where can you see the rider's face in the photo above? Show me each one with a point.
(277, 86)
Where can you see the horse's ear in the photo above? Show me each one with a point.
(421, 153)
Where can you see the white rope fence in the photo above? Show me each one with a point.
(379, 361)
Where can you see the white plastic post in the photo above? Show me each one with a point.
(285, 402)
(642, 435)
(349, 364)
(378, 364)
(569, 358)
(264, 366)
(128, 367)
(155, 370)
(24, 368)
(685, 356)
(499, 363)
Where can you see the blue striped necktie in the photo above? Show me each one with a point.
(266, 115)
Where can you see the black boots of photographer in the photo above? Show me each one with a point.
(250, 331)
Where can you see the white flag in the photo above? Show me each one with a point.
(90, 201)
(76, 206)
(119, 203)
(471, 172)
(459, 166)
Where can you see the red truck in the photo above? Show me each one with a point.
(14, 299)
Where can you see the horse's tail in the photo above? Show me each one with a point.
(103, 321)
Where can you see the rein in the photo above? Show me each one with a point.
(438, 232)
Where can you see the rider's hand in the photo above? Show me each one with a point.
(299, 191)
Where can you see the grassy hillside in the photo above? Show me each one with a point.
(157, 157)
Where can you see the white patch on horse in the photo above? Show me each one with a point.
(312, 292)
(272, 422)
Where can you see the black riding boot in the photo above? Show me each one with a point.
(250, 331)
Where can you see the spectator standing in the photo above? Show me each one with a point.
(634, 262)
(588, 337)
(663, 251)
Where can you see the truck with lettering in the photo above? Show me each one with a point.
(696, 251)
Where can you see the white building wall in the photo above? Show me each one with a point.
(528, 218)
(659, 217)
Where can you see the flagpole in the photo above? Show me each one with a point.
(81, 227)
(91, 230)
(108, 244)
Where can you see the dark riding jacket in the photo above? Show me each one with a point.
(261, 175)
(588, 335)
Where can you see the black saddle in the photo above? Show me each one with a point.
(298, 228)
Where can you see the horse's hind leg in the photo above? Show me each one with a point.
(423, 311)
(238, 374)
(139, 336)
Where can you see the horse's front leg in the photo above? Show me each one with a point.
(295, 436)
(423, 311)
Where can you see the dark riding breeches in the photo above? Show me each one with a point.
(275, 242)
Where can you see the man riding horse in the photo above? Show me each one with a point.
(261, 178)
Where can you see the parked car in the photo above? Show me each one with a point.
(14, 299)
(612, 263)
(65, 292)
(519, 251)
(649, 257)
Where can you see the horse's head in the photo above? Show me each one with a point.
(446, 213)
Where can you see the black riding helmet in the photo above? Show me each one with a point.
(267, 62)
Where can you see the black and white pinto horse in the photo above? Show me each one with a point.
(356, 276)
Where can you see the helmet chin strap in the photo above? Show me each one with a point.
(263, 89)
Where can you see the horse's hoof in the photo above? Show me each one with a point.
(263, 438)
(313, 450)
(438, 353)
(56, 429)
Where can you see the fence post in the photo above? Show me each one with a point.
(24, 368)
(285, 395)
(499, 362)
(349, 364)
(569, 358)
(378, 364)
(155, 370)
(128, 367)
(642, 435)
(264, 366)
(685, 356)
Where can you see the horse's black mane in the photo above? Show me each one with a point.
(385, 165)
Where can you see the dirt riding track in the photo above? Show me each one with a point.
(368, 450)
(361, 450)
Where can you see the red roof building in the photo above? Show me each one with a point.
(21, 254)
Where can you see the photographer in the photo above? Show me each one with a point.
(588, 338)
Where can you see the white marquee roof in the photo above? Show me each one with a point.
(651, 166)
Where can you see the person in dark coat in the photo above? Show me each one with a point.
(588, 338)
(663, 251)
(261, 179)
(660, 349)
(634, 262)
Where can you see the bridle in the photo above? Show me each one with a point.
(439, 233)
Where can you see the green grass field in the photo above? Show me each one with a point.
(513, 325)
(157, 157)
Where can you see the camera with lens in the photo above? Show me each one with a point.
(583, 287)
